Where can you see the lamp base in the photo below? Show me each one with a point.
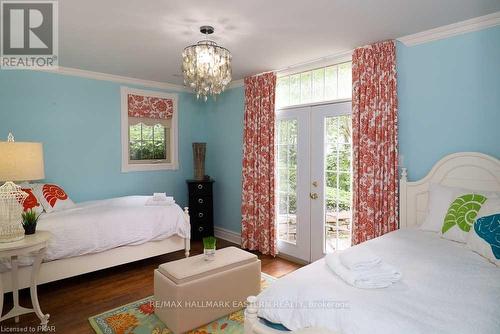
(11, 200)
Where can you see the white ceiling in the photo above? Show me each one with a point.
(144, 39)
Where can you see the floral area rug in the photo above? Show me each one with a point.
(139, 318)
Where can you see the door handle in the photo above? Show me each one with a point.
(313, 195)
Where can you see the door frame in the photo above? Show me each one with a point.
(310, 235)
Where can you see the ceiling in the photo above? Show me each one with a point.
(144, 39)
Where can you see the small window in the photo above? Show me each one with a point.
(149, 130)
(329, 83)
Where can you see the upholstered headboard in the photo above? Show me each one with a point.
(469, 170)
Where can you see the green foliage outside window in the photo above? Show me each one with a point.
(148, 142)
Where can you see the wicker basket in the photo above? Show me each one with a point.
(199, 150)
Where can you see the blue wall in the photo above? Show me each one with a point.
(449, 98)
(224, 119)
(78, 121)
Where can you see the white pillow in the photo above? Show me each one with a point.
(487, 226)
(52, 197)
(440, 199)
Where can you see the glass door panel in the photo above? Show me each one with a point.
(331, 178)
(338, 178)
(292, 175)
(286, 148)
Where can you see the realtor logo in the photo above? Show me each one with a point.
(29, 37)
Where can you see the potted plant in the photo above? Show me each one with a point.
(209, 248)
(30, 219)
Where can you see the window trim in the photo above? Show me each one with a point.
(313, 104)
(127, 166)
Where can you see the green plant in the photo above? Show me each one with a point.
(29, 218)
(209, 242)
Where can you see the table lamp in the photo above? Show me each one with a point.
(18, 162)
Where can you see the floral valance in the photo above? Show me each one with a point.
(150, 107)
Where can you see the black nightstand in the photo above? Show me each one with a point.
(201, 208)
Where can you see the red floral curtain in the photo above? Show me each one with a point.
(150, 107)
(257, 227)
(375, 141)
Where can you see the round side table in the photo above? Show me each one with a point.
(34, 245)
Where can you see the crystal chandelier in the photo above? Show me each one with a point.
(206, 66)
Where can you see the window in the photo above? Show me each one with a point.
(148, 142)
(149, 130)
(323, 84)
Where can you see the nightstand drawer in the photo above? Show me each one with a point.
(200, 188)
(200, 202)
(201, 214)
(201, 229)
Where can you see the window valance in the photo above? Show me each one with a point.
(150, 107)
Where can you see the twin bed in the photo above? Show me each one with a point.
(102, 234)
(446, 288)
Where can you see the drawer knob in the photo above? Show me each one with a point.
(200, 228)
(200, 214)
(200, 200)
(200, 186)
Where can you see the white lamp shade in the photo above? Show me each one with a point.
(21, 161)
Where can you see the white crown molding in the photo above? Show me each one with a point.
(475, 24)
(115, 78)
(236, 84)
(337, 58)
(228, 235)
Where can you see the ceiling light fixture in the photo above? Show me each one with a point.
(206, 66)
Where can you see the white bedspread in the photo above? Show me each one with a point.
(96, 226)
(446, 288)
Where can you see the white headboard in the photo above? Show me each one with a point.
(469, 170)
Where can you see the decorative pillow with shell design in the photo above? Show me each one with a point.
(31, 202)
(484, 238)
(461, 216)
(53, 197)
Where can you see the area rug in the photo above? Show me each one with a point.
(139, 318)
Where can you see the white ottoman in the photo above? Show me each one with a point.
(192, 292)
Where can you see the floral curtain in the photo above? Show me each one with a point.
(375, 141)
(257, 227)
(150, 107)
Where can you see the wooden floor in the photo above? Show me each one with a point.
(71, 301)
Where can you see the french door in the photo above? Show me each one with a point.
(313, 168)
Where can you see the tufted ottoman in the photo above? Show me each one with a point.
(192, 292)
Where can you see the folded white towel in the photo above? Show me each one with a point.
(380, 276)
(359, 258)
(159, 196)
(163, 202)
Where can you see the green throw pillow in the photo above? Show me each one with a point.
(463, 212)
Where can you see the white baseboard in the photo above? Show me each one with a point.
(228, 235)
